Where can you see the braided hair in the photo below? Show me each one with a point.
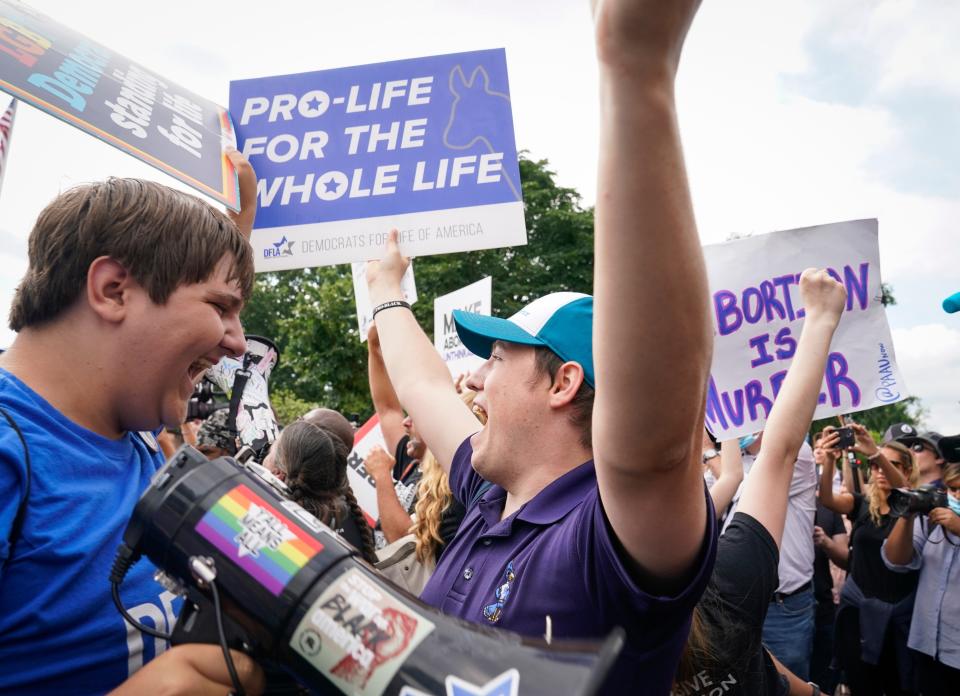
(315, 462)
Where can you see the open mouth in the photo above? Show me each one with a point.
(197, 369)
(480, 412)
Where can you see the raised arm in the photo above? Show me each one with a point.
(417, 372)
(247, 180)
(766, 489)
(731, 475)
(838, 502)
(650, 294)
(866, 446)
(385, 401)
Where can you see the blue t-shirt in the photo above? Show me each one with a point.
(557, 556)
(59, 630)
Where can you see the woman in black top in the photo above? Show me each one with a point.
(725, 653)
(312, 461)
(874, 598)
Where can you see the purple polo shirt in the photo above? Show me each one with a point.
(556, 556)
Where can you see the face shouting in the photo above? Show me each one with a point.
(169, 347)
(513, 407)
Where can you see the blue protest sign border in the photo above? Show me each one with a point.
(425, 145)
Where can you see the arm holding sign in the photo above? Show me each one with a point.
(247, 179)
(650, 297)
(394, 520)
(418, 374)
(765, 492)
(385, 401)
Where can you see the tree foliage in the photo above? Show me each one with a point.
(311, 313)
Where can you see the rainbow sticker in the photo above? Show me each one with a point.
(258, 538)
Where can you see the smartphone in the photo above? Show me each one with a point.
(846, 437)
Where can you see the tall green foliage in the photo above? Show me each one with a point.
(311, 314)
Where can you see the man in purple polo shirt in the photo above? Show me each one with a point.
(597, 515)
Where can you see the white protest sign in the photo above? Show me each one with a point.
(361, 482)
(475, 298)
(362, 294)
(757, 316)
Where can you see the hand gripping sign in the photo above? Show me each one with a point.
(423, 145)
(757, 317)
(55, 69)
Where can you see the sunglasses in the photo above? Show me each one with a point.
(920, 447)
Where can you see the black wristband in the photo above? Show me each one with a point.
(389, 305)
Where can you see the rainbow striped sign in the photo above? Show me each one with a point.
(258, 538)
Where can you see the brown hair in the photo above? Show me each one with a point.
(951, 474)
(164, 238)
(315, 462)
(547, 364)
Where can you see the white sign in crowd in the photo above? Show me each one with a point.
(361, 294)
(475, 298)
(757, 317)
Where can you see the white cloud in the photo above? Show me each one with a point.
(929, 358)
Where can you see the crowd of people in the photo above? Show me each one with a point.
(564, 487)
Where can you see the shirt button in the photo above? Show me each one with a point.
(487, 542)
(468, 573)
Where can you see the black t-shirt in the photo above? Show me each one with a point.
(832, 524)
(733, 610)
(866, 566)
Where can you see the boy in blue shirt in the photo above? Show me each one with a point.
(133, 290)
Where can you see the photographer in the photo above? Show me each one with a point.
(143, 285)
(932, 547)
(875, 604)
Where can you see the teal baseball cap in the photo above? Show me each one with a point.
(560, 321)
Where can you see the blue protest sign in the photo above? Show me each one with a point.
(423, 145)
(54, 68)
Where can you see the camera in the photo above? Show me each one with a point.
(846, 437)
(204, 402)
(904, 503)
(262, 575)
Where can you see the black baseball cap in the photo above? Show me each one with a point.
(950, 448)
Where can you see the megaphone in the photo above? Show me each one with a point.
(247, 382)
(262, 575)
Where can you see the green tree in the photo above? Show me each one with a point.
(311, 313)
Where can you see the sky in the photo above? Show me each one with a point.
(792, 113)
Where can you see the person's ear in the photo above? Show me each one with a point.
(108, 288)
(566, 384)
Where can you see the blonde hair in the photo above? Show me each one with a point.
(877, 497)
(433, 498)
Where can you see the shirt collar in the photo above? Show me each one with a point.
(560, 496)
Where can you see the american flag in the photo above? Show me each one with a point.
(6, 130)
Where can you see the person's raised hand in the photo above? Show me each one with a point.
(946, 518)
(379, 464)
(383, 276)
(829, 442)
(193, 669)
(645, 35)
(248, 194)
(823, 296)
(863, 440)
